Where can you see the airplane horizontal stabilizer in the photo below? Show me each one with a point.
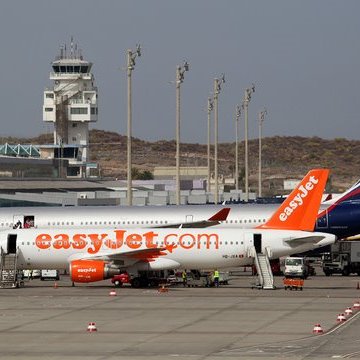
(305, 240)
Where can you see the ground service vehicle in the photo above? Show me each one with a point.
(120, 279)
(49, 275)
(293, 283)
(344, 258)
(296, 267)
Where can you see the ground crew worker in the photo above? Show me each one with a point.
(216, 278)
(184, 277)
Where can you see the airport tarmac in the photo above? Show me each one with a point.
(40, 321)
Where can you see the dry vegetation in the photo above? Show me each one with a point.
(283, 157)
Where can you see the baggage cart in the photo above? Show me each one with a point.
(293, 283)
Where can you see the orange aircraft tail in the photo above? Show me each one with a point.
(300, 208)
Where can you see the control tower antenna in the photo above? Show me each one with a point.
(72, 48)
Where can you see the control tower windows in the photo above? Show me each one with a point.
(70, 69)
(77, 111)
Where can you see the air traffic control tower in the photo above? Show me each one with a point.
(71, 105)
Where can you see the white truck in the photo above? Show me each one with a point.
(296, 267)
(344, 258)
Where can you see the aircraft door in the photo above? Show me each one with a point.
(189, 218)
(257, 243)
(17, 220)
(11, 243)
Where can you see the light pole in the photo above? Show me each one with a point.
(131, 56)
(217, 89)
(237, 118)
(261, 120)
(247, 98)
(180, 71)
(209, 110)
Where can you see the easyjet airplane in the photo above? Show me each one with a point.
(340, 216)
(97, 253)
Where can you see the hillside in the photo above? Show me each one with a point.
(282, 156)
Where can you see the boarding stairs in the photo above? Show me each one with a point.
(263, 267)
(9, 275)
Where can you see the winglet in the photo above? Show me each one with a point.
(220, 215)
(300, 209)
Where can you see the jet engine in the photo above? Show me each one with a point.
(92, 270)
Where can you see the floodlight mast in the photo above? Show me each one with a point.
(237, 118)
(261, 121)
(247, 98)
(131, 56)
(210, 108)
(180, 71)
(217, 89)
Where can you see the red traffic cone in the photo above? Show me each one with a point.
(356, 305)
(348, 312)
(112, 293)
(341, 318)
(91, 327)
(318, 329)
(163, 288)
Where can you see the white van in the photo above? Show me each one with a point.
(49, 275)
(296, 267)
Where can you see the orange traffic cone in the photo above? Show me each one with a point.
(318, 329)
(348, 312)
(112, 293)
(341, 318)
(55, 285)
(163, 288)
(91, 327)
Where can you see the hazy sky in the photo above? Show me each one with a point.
(303, 56)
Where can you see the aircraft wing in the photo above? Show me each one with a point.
(119, 256)
(213, 220)
(295, 242)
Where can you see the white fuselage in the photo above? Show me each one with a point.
(183, 248)
(243, 216)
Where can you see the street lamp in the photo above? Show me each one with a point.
(247, 98)
(131, 56)
(180, 71)
(217, 89)
(261, 120)
(209, 110)
(237, 118)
